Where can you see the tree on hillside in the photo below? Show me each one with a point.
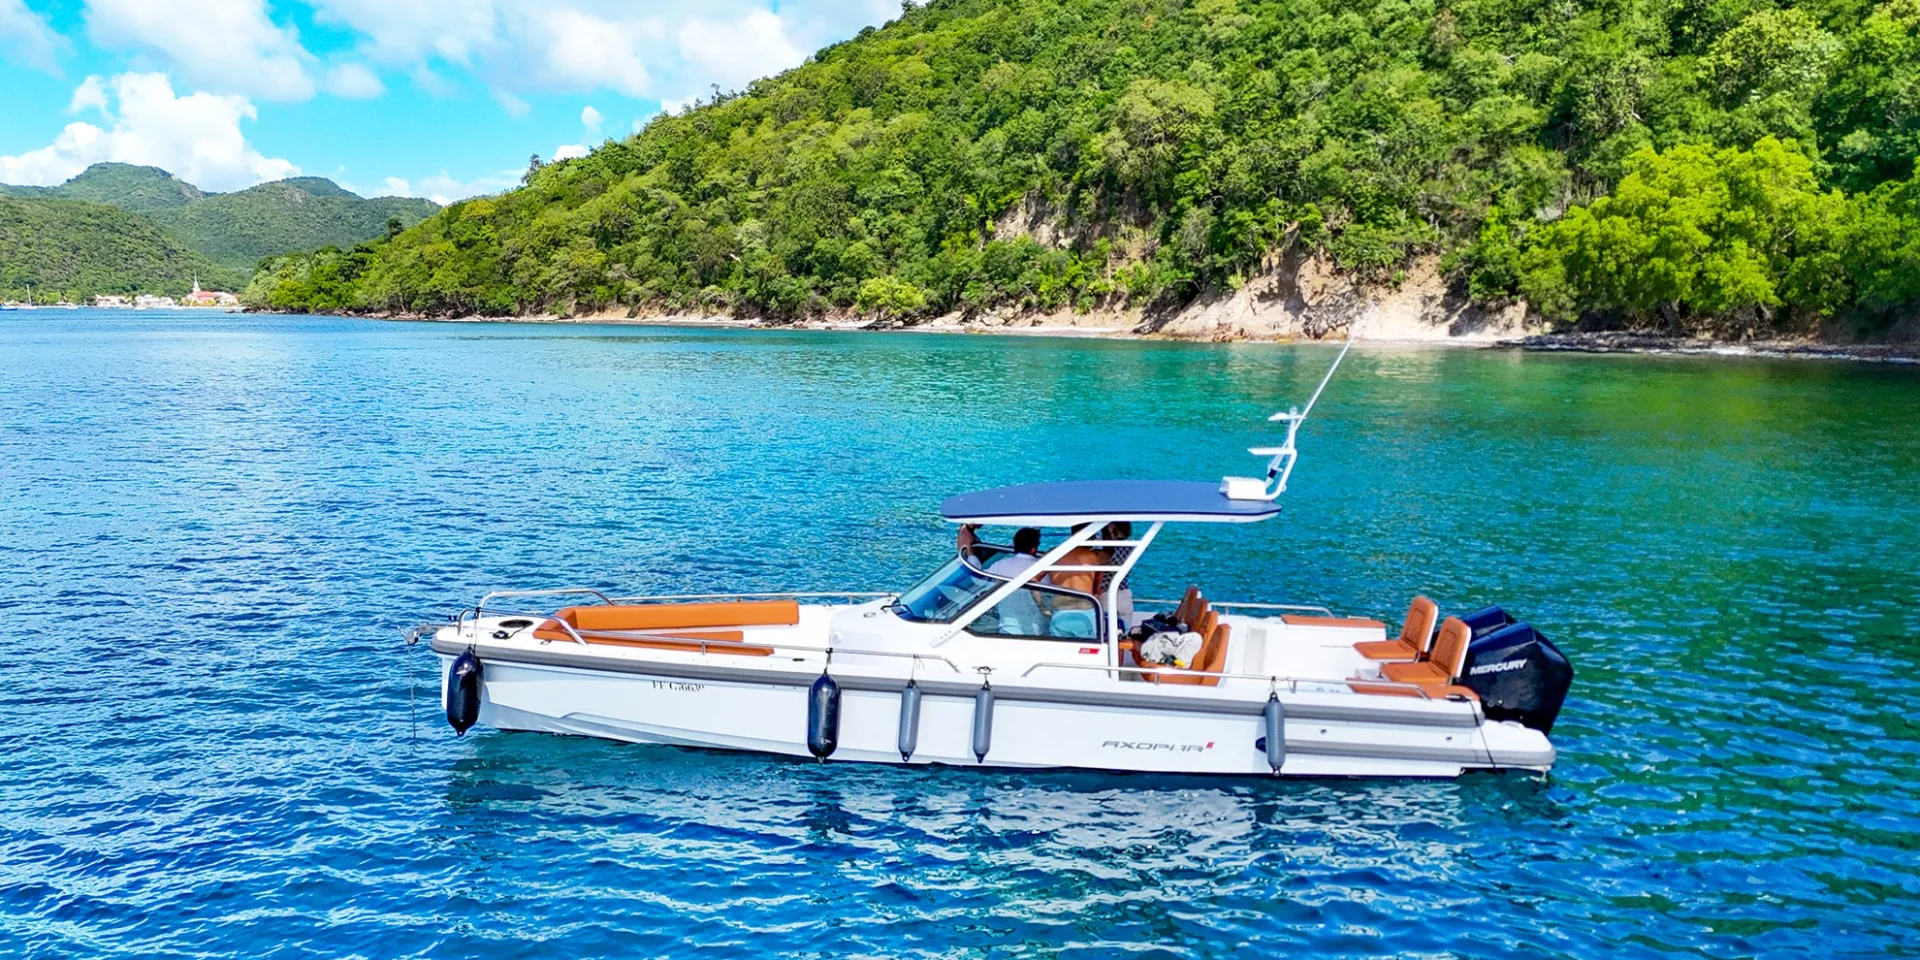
(1693, 232)
(1646, 161)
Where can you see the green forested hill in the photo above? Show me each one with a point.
(139, 189)
(72, 249)
(236, 230)
(123, 185)
(1691, 163)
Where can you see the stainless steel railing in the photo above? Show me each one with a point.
(1293, 682)
(554, 592)
(1229, 605)
(785, 595)
(705, 643)
(478, 610)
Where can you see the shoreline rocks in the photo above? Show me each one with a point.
(1655, 344)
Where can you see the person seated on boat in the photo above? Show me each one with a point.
(1018, 612)
(1095, 583)
(1080, 581)
(968, 540)
(1026, 553)
(1071, 619)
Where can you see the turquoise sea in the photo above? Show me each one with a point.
(213, 528)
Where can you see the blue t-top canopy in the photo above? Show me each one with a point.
(1074, 502)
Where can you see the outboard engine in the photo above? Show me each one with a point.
(1486, 620)
(1518, 673)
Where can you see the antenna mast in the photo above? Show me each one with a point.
(1280, 466)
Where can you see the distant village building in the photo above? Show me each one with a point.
(150, 302)
(111, 300)
(209, 298)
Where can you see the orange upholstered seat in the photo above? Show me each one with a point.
(1433, 677)
(1213, 654)
(671, 616)
(1212, 657)
(1415, 634)
(673, 626)
(1190, 605)
(1443, 667)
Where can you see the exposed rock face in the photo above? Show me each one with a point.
(1309, 298)
(1296, 298)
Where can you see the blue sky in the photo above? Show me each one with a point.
(435, 98)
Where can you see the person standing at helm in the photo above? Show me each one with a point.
(1095, 582)
(1081, 581)
(1026, 553)
(1018, 613)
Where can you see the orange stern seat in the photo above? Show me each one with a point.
(1435, 675)
(1415, 634)
(1449, 655)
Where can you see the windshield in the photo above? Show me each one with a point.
(945, 595)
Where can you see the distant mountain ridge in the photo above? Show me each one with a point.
(123, 185)
(236, 230)
(53, 248)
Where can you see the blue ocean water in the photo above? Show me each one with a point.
(212, 529)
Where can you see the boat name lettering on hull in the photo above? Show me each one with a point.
(1169, 747)
(678, 685)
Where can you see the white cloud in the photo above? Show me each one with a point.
(442, 189)
(90, 95)
(590, 120)
(736, 53)
(646, 51)
(511, 47)
(410, 31)
(196, 137)
(353, 80)
(26, 39)
(574, 50)
(225, 45)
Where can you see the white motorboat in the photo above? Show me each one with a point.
(1038, 659)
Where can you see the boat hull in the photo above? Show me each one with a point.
(765, 710)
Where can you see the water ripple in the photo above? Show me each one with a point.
(214, 527)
